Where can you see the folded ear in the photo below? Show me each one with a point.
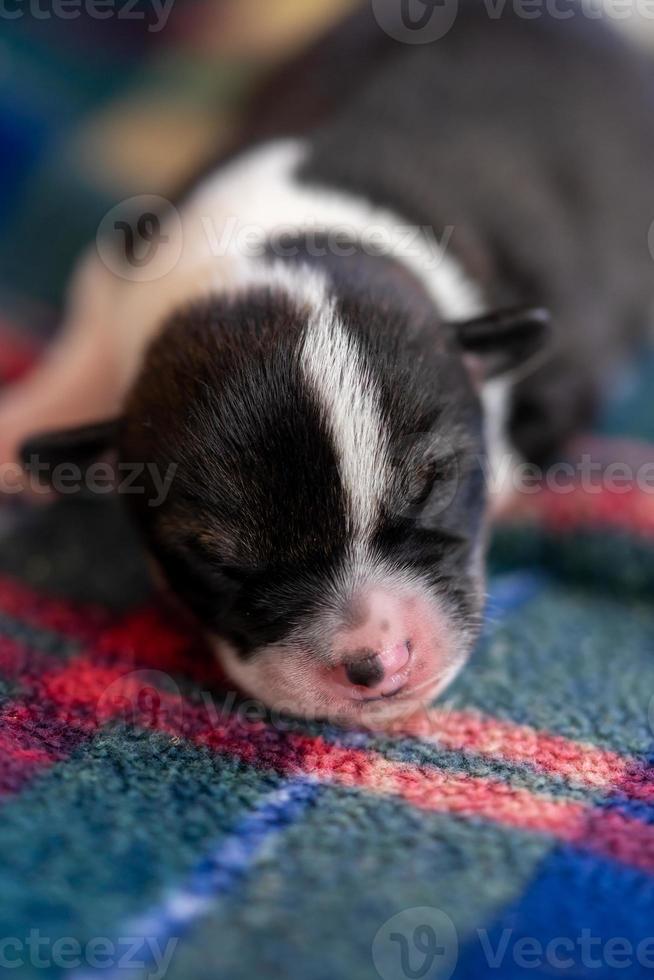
(503, 340)
(82, 446)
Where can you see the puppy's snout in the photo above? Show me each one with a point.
(389, 641)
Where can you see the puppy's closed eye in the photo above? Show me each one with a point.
(420, 482)
(425, 474)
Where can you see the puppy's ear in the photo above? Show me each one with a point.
(82, 446)
(504, 340)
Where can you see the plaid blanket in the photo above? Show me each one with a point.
(152, 824)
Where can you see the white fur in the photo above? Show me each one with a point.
(502, 457)
(344, 388)
(337, 372)
(258, 194)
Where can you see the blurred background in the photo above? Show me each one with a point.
(96, 110)
(101, 100)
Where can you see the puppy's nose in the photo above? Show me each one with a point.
(366, 672)
(369, 668)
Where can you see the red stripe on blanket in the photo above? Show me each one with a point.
(84, 695)
(31, 740)
(578, 763)
(19, 762)
(149, 637)
(631, 511)
(24, 604)
(607, 833)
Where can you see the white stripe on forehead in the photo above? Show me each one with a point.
(341, 383)
(347, 395)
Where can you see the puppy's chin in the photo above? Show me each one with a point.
(296, 687)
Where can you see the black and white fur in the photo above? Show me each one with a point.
(329, 415)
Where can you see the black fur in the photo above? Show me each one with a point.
(81, 445)
(255, 516)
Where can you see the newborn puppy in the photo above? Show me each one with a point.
(347, 330)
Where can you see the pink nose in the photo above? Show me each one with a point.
(381, 672)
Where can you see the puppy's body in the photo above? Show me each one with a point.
(327, 518)
(533, 141)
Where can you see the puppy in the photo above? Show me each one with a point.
(429, 264)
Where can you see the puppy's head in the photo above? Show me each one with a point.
(325, 520)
